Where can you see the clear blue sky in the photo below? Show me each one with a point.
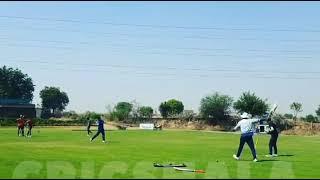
(101, 53)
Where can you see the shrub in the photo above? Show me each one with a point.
(281, 122)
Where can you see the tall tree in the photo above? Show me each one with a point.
(171, 107)
(215, 107)
(164, 109)
(15, 85)
(145, 112)
(296, 107)
(250, 103)
(123, 110)
(175, 107)
(53, 99)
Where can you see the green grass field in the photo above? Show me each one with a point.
(63, 153)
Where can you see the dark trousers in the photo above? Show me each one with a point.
(249, 141)
(21, 131)
(273, 144)
(89, 131)
(102, 133)
(29, 131)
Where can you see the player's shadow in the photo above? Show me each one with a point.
(286, 155)
(266, 160)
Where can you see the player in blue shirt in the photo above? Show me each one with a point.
(100, 124)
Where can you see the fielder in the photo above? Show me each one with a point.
(100, 123)
(89, 123)
(29, 126)
(247, 127)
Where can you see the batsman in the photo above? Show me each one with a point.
(247, 126)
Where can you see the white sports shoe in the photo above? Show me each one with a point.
(235, 157)
(268, 155)
(274, 155)
(255, 160)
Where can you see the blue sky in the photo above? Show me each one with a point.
(101, 53)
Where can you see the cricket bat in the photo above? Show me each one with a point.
(169, 165)
(273, 109)
(189, 170)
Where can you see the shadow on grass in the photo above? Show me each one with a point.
(266, 160)
(263, 160)
(285, 155)
(113, 142)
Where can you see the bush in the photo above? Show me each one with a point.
(311, 118)
(281, 122)
(45, 113)
(288, 116)
(13, 122)
(70, 114)
(111, 116)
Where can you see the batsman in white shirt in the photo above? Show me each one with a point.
(247, 126)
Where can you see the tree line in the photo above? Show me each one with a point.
(213, 108)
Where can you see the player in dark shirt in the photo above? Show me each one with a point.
(273, 140)
(89, 123)
(100, 123)
(29, 124)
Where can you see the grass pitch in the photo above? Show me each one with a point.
(63, 153)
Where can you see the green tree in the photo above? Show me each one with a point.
(250, 103)
(53, 99)
(310, 118)
(171, 107)
(123, 110)
(15, 85)
(215, 107)
(175, 107)
(164, 109)
(145, 112)
(281, 122)
(296, 108)
(318, 111)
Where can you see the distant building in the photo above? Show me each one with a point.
(156, 116)
(189, 112)
(13, 108)
(38, 111)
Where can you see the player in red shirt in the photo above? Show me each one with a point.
(29, 124)
(21, 122)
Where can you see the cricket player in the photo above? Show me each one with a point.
(89, 122)
(100, 124)
(273, 140)
(29, 124)
(247, 127)
(21, 123)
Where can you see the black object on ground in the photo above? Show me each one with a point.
(169, 165)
